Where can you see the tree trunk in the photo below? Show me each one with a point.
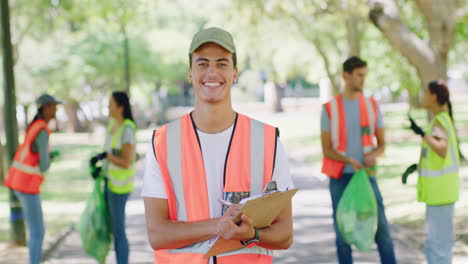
(273, 94)
(26, 118)
(86, 123)
(333, 76)
(126, 50)
(352, 22)
(336, 83)
(2, 163)
(428, 73)
(18, 233)
(352, 35)
(414, 100)
(428, 56)
(278, 96)
(71, 109)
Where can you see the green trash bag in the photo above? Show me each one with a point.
(94, 224)
(357, 213)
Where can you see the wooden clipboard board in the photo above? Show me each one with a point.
(262, 210)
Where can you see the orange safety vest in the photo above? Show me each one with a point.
(24, 174)
(368, 117)
(249, 167)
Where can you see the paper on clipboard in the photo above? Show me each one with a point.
(262, 210)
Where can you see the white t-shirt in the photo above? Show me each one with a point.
(214, 148)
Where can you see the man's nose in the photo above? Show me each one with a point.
(211, 68)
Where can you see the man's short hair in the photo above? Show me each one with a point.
(352, 63)
(234, 59)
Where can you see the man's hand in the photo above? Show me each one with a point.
(356, 164)
(227, 229)
(370, 161)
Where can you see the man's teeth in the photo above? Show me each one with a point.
(212, 84)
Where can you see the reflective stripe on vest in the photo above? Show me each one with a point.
(368, 122)
(24, 174)
(454, 168)
(337, 124)
(438, 181)
(120, 179)
(27, 168)
(32, 132)
(249, 167)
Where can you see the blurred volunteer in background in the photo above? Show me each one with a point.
(118, 168)
(438, 182)
(26, 174)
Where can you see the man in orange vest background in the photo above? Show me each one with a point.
(349, 124)
(208, 155)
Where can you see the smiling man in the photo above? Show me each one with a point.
(210, 154)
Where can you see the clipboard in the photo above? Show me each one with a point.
(262, 210)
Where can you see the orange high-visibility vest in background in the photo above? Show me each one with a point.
(24, 174)
(368, 119)
(249, 167)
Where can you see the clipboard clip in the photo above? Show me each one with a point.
(270, 187)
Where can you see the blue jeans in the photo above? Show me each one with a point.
(382, 236)
(32, 209)
(439, 234)
(116, 204)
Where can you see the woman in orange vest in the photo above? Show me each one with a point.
(26, 174)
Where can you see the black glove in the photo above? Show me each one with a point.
(54, 154)
(95, 171)
(416, 129)
(97, 158)
(407, 172)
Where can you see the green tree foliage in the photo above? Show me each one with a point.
(76, 49)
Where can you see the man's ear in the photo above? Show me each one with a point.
(236, 74)
(190, 74)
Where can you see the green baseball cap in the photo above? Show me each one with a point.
(215, 35)
(46, 99)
